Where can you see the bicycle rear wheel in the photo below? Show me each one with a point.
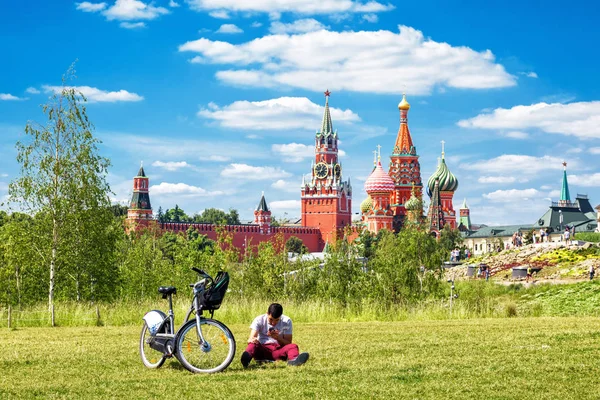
(150, 357)
(214, 355)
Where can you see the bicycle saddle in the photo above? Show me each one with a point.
(166, 290)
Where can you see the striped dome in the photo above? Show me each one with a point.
(366, 205)
(448, 182)
(379, 181)
(414, 203)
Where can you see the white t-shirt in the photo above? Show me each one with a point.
(261, 325)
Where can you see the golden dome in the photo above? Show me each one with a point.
(404, 104)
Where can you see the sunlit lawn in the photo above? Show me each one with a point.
(533, 358)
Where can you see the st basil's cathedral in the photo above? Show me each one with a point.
(394, 198)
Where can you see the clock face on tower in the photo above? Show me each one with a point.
(321, 170)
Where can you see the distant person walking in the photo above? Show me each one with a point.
(529, 276)
(567, 236)
(592, 272)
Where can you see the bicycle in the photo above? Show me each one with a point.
(202, 345)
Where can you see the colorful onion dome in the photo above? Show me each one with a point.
(414, 203)
(448, 182)
(379, 181)
(403, 105)
(366, 205)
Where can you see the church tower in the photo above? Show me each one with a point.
(262, 216)
(404, 167)
(139, 212)
(435, 214)
(447, 186)
(326, 199)
(380, 187)
(465, 216)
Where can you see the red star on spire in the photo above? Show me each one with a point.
(564, 163)
(327, 93)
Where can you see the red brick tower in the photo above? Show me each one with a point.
(139, 213)
(326, 198)
(405, 169)
(262, 216)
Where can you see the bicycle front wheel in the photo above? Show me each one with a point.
(214, 355)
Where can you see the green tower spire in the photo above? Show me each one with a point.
(564, 193)
(327, 126)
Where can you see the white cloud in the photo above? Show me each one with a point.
(32, 90)
(589, 180)
(253, 137)
(365, 61)
(171, 165)
(157, 147)
(577, 150)
(220, 14)
(546, 187)
(294, 152)
(370, 18)
(531, 74)
(256, 24)
(173, 4)
(298, 26)
(95, 95)
(285, 205)
(554, 194)
(276, 7)
(512, 195)
(10, 97)
(516, 135)
(229, 28)
(274, 114)
(86, 6)
(292, 187)
(248, 172)
(580, 119)
(519, 166)
(594, 150)
(496, 179)
(181, 189)
(127, 10)
(132, 25)
(215, 158)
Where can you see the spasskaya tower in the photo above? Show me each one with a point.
(326, 198)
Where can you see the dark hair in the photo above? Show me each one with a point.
(275, 310)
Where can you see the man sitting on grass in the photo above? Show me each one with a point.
(271, 339)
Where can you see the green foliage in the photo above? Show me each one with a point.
(588, 236)
(295, 245)
(63, 183)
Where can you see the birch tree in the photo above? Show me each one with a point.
(61, 172)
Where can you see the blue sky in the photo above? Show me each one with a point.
(221, 98)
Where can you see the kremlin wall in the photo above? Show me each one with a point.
(394, 198)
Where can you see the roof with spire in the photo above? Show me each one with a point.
(404, 143)
(564, 193)
(141, 172)
(464, 205)
(262, 205)
(435, 213)
(327, 125)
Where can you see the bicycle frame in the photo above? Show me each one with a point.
(170, 321)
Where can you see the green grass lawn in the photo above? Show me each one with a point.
(511, 358)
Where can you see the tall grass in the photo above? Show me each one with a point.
(476, 299)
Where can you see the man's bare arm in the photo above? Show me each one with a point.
(253, 336)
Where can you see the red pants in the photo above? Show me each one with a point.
(272, 351)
